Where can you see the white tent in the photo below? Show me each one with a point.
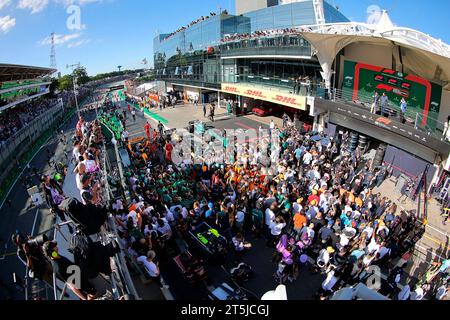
(385, 23)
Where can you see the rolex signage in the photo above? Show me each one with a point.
(275, 96)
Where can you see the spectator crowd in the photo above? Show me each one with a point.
(317, 205)
(193, 23)
(264, 33)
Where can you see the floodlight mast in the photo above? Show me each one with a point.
(75, 84)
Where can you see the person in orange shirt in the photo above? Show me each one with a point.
(145, 157)
(359, 202)
(300, 221)
(132, 208)
(351, 197)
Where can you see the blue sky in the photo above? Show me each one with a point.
(121, 32)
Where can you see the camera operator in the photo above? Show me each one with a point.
(60, 265)
(29, 252)
(90, 195)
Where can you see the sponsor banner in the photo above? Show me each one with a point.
(278, 97)
(361, 81)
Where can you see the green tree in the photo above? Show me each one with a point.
(81, 74)
(65, 83)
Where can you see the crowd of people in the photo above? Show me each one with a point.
(193, 23)
(311, 199)
(316, 204)
(263, 33)
(16, 118)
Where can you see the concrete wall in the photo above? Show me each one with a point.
(244, 6)
(372, 54)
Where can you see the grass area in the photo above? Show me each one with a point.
(28, 156)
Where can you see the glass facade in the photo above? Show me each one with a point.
(291, 45)
(194, 54)
(332, 15)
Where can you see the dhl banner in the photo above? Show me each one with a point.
(285, 99)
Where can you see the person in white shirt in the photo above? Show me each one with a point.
(368, 231)
(81, 170)
(328, 284)
(76, 152)
(307, 158)
(133, 215)
(270, 216)
(151, 268)
(276, 227)
(324, 257)
(272, 125)
(164, 228)
(125, 136)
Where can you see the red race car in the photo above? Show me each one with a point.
(263, 111)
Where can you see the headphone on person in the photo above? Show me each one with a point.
(51, 249)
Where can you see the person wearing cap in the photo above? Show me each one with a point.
(297, 206)
(314, 198)
(323, 259)
(62, 269)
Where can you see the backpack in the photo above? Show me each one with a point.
(80, 246)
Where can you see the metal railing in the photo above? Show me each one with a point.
(121, 281)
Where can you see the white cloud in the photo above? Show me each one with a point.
(4, 3)
(6, 24)
(78, 43)
(39, 5)
(60, 39)
(77, 2)
(34, 5)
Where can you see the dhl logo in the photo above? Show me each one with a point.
(231, 89)
(255, 93)
(284, 99)
(385, 121)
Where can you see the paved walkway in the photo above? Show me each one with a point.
(435, 244)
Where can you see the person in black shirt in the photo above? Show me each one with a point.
(61, 265)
